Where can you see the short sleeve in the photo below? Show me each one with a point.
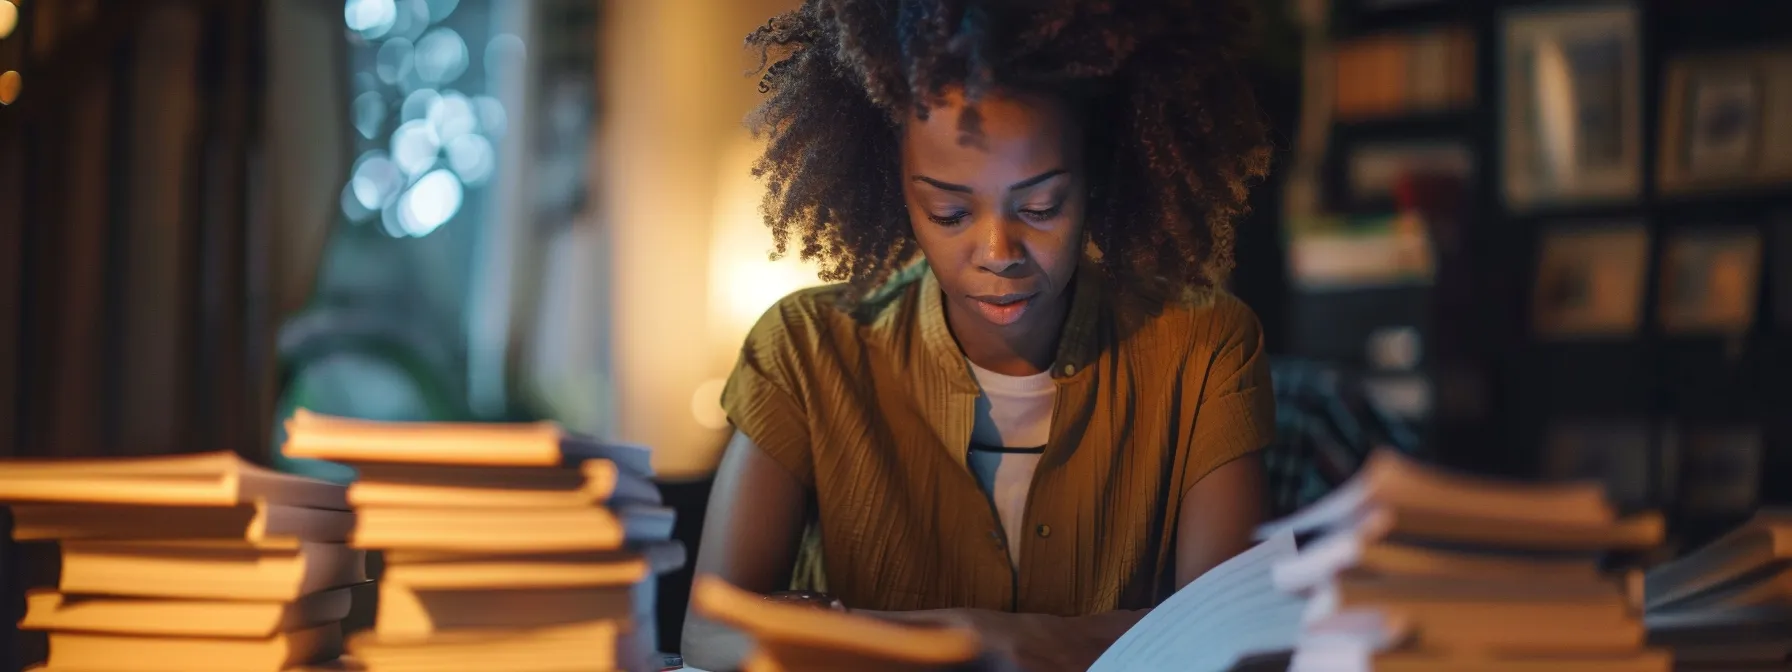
(1236, 412)
(760, 396)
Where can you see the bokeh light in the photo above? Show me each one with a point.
(375, 181)
(452, 116)
(440, 9)
(504, 56)
(9, 18)
(412, 19)
(369, 114)
(492, 119)
(372, 19)
(415, 147)
(11, 84)
(394, 60)
(416, 106)
(441, 56)
(472, 158)
(430, 203)
(351, 204)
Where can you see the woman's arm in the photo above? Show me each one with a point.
(750, 537)
(1215, 523)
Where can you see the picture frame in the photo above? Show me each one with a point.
(1617, 453)
(1572, 105)
(1710, 280)
(1590, 281)
(1717, 469)
(1373, 169)
(1726, 121)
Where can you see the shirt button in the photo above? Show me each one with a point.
(1069, 369)
(996, 537)
(1043, 530)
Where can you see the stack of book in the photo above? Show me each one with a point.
(510, 547)
(1728, 605)
(182, 563)
(1421, 569)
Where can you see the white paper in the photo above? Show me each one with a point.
(1232, 611)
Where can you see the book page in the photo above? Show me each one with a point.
(1231, 611)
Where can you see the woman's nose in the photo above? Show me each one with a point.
(999, 247)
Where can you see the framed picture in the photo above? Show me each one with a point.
(1572, 105)
(1616, 453)
(1726, 121)
(1710, 280)
(1718, 468)
(1590, 281)
(1374, 169)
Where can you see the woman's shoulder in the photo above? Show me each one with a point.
(1195, 322)
(815, 316)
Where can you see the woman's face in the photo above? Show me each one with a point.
(997, 207)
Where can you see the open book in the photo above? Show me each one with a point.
(1231, 612)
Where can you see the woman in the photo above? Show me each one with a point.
(1028, 406)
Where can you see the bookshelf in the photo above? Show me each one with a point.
(1480, 312)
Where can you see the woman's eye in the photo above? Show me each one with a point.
(947, 220)
(1041, 214)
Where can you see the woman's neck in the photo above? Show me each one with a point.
(1024, 353)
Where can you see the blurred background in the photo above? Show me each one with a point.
(1550, 239)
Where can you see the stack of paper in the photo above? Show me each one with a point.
(184, 563)
(1419, 569)
(508, 546)
(1728, 606)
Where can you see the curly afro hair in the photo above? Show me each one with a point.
(1174, 135)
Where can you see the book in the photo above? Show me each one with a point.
(408, 612)
(1727, 605)
(589, 483)
(441, 570)
(514, 530)
(1541, 634)
(1222, 617)
(91, 651)
(147, 569)
(1395, 482)
(258, 523)
(1340, 658)
(201, 479)
(535, 444)
(795, 637)
(1365, 550)
(1583, 601)
(552, 649)
(1765, 541)
(53, 610)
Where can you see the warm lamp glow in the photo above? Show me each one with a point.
(10, 85)
(743, 281)
(9, 18)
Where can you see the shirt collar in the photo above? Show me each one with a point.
(1076, 340)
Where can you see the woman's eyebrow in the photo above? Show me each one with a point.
(1017, 186)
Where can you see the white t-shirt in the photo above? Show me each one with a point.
(1014, 420)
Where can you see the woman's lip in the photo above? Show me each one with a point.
(1004, 299)
(1004, 309)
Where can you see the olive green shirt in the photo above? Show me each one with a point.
(871, 409)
